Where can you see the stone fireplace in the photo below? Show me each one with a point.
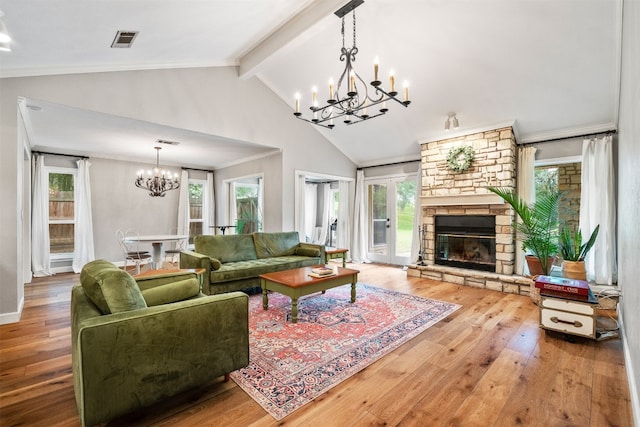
(453, 200)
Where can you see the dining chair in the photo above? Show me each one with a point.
(131, 249)
(170, 255)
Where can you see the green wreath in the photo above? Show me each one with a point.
(460, 158)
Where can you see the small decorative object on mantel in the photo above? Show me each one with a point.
(460, 158)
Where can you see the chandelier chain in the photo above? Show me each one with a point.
(354, 28)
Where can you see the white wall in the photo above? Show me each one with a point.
(271, 169)
(208, 100)
(628, 190)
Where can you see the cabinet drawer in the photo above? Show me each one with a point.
(572, 306)
(571, 323)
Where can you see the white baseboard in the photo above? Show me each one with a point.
(6, 318)
(628, 363)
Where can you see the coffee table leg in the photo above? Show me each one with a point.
(265, 297)
(294, 310)
(353, 290)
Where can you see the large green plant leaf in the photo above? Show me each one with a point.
(538, 225)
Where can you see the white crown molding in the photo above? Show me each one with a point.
(465, 132)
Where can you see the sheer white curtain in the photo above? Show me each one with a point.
(260, 204)
(40, 220)
(209, 215)
(233, 208)
(326, 214)
(310, 211)
(417, 217)
(359, 246)
(83, 230)
(598, 206)
(300, 208)
(526, 190)
(183, 204)
(343, 231)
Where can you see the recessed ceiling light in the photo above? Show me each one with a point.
(124, 38)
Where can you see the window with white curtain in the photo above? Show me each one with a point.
(61, 212)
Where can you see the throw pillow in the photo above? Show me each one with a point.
(171, 292)
(215, 264)
(308, 252)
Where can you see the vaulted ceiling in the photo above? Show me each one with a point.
(552, 66)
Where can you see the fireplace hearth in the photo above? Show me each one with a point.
(466, 241)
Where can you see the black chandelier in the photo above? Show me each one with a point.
(357, 105)
(158, 182)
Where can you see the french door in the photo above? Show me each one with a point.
(391, 205)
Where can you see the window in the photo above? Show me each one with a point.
(563, 177)
(196, 204)
(246, 198)
(61, 212)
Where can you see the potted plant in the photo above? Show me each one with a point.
(573, 251)
(537, 228)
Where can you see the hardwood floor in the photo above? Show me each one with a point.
(488, 364)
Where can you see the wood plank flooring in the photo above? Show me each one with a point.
(488, 364)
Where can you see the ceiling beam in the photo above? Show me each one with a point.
(250, 63)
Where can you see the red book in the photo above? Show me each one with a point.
(562, 284)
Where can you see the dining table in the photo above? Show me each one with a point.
(157, 241)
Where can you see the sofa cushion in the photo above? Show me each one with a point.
(312, 252)
(226, 248)
(111, 289)
(276, 244)
(248, 269)
(171, 292)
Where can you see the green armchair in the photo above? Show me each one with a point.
(135, 342)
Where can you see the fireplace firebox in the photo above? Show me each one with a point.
(466, 241)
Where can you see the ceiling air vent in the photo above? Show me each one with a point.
(124, 38)
(164, 141)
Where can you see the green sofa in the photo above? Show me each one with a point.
(136, 342)
(233, 262)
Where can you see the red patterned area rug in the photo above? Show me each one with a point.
(291, 364)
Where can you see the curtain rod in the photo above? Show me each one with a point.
(59, 154)
(608, 132)
(194, 169)
(388, 164)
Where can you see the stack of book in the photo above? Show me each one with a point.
(562, 287)
(321, 272)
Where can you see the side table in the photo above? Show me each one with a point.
(568, 315)
(331, 253)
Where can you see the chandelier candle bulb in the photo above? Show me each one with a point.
(392, 83)
(330, 89)
(297, 103)
(375, 69)
(406, 91)
(314, 96)
(352, 82)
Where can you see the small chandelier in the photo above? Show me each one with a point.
(356, 105)
(158, 182)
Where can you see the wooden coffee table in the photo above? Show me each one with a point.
(297, 282)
